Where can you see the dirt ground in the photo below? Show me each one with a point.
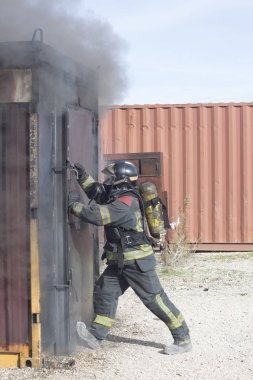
(214, 293)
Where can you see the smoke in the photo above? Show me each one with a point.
(92, 43)
(82, 37)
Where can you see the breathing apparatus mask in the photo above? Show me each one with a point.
(121, 175)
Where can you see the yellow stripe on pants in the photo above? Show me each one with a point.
(174, 322)
(103, 320)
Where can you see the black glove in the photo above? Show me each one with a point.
(73, 197)
(82, 175)
(158, 246)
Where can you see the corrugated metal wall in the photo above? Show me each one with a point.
(14, 229)
(208, 155)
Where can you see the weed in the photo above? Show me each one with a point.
(171, 273)
(179, 247)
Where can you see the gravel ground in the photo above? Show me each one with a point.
(213, 291)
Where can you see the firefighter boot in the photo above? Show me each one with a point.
(178, 347)
(86, 339)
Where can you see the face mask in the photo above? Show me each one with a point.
(109, 181)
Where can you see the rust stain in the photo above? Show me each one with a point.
(34, 160)
(22, 349)
(16, 86)
(14, 233)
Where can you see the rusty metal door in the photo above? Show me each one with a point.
(149, 165)
(15, 298)
(82, 237)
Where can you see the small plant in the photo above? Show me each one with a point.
(179, 246)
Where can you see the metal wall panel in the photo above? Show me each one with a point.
(208, 155)
(14, 230)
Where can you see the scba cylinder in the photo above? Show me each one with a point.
(153, 209)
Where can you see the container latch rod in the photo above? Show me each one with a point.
(40, 32)
(59, 170)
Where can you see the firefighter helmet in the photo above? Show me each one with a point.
(121, 172)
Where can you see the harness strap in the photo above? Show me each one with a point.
(123, 242)
(120, 252)
(152, 202)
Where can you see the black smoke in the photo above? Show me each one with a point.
(81, 36)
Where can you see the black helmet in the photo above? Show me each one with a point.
(121, 172)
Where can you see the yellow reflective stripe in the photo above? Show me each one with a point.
(144, 251)
(105, 214)
(102, 320)
(87, 182)
(77, 208)
(174, 322)
(112, 256)
(130, 255)
(173, 325)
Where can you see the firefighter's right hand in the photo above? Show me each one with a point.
(80, 171)
(159, 246)
(73, 197)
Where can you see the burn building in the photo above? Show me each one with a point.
(48, 262)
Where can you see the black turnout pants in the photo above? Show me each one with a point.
(145, 283)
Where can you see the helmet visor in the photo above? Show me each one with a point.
(109, 169)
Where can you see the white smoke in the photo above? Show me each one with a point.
(82, 37)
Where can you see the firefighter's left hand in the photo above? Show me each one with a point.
(81, 171)
(73, 197)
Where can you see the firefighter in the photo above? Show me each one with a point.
(129, 254)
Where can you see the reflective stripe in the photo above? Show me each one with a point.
(105, 214)
(143, 251)
(102, 320)
(174, 322)
(87, 182)
(138, 218)
(77, 208)
(173, 325)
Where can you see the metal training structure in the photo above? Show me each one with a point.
(48, 120)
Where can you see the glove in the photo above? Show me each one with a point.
(161, 246)
(73, 197)
(82, 175)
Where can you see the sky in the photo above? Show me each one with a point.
(182, 51)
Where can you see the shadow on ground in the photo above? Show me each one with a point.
(121, 339)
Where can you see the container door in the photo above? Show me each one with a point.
(15, 298)
(149, 165)
(82, 237)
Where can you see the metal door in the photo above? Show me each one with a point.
(82, 237)
(149, 165)
(15, 295)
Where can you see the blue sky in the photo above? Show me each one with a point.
(183, 51)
